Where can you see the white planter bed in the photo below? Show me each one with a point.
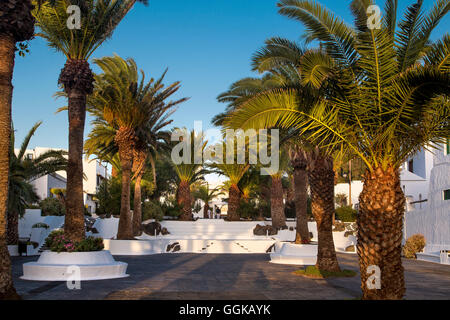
(53, 266)
(136, 247)
(296, 254)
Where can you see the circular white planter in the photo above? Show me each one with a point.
(53, 266)
(296, 254)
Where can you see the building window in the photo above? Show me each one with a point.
(446, 194)
(411, 165)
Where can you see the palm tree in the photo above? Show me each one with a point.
(129, 115)
(282, 58)
(21, 172)
(204, 193)
(385, 101)
(16, 25)
(188, 172)
(276, 191)
(234, 172)
(299, 163)
(144, 157)
(99, 18)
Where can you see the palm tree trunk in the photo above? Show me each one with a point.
(125, 230)
(139, 159)
(7, 52)
(125, 140)
(205, 210)
(137, 212)
(321, 181)
(114, 173)
(234, 197)
(184, 200)
(12, 235)
(74, 220)
(276, 203)
(301, 204)
(380, 231)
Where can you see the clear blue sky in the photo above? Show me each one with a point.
(206, 44)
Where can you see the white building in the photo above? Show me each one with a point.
(433, 218)
(94, 173)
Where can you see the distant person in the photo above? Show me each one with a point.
(209, 213)
(217, 213)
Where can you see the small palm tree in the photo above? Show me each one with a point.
(234, 172)
(99, 18)
(188, 172)
(204, 193)
(129, 115)
(24, 170)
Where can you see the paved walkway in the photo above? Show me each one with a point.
(226, 276)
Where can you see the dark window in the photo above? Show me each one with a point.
(411, 165)
(447, 194)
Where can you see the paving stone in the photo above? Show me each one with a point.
(224, 277)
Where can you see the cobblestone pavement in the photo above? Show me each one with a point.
(228, 276)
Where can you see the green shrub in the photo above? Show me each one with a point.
(58, 242)
(52, 207)
(346, 214)
(313, 272)
(413, 245)
(152, 210)
(247, 209)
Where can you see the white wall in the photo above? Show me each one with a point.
(434, 221)
(344, 188)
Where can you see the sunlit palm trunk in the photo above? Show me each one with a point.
(12, 237)
(276, 203)
(7, 51)
(321, 181)
(380, 231)
(125, 140)
(125, 230)
(205, 210)
(234, 197)
(137, 211)
(74, 220)
(301, 204)
(184, 200)
(138, 168)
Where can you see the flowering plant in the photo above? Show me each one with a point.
(58, 242)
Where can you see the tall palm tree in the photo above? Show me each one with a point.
(386, 100)
(204, 193)
(99, 18)
(188, 172)
(16, 25)
(24, 170)
(129, 115)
